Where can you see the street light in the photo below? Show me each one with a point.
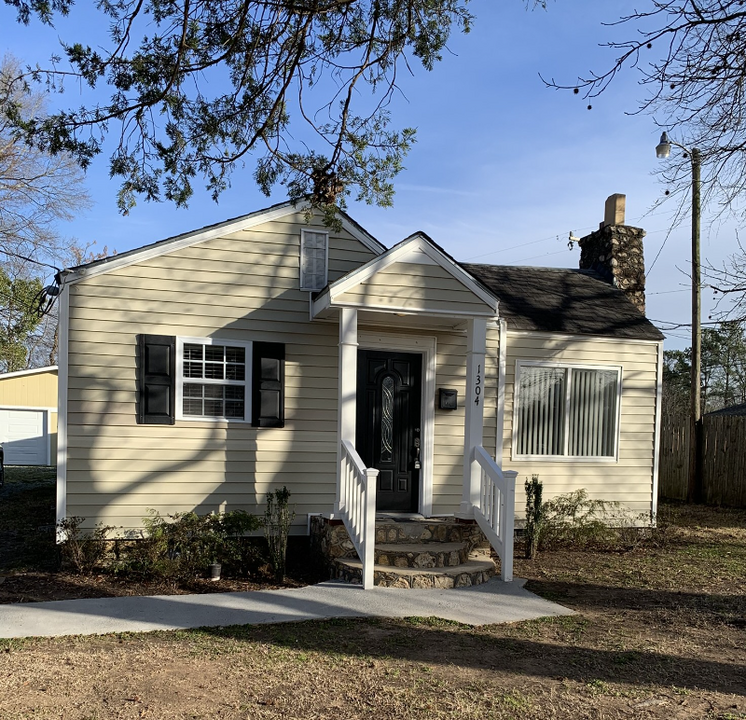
(663, 150)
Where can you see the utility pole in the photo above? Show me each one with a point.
(663, 150)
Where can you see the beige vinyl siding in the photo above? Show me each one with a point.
(448, 451)
(32, 390)
(628, 480)
(244, 287)
(410, 287)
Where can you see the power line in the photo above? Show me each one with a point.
(31, 260)
(534, 257)
(557, 237)
(674, 326)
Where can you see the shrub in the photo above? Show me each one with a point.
(277, 520)
(84, 551)
(181, 546)
(534, 515)
(575, 519)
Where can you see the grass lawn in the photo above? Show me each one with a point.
(660, 632)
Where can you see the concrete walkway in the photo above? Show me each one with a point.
(493, 602)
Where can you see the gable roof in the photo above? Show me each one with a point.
(32, 371)
(193, 237)
(574, 302)
(730, 411)
(418, 248)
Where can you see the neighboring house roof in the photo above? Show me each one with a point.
(33, 371)
(243, 222)
(575, 302)
(731, 410)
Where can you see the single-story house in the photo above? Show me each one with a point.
(202, 371)
(28, 416)
(738, 410)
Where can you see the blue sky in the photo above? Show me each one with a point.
(503, 169)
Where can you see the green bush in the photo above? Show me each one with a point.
(181, 546)
(84, 551)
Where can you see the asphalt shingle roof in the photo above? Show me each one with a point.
(576, 302)
(731, 410)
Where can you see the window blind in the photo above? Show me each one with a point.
(593, 413)
(542, 409)
(567, 411)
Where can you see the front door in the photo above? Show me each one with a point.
(389, 424)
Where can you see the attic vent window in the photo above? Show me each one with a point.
(314, 251)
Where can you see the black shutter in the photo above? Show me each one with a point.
(268, 385)
(156, 379)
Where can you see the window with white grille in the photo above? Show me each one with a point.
(314, 247)
(566, 411)
(213, 379)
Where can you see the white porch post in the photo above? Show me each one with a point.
(476, 349)
(346, 402)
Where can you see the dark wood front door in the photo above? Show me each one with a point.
(389, 425)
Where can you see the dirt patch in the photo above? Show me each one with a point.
(659, 634)
(355, 668)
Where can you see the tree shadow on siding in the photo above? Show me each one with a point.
(207, 466)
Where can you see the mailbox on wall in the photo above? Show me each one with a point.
(447, 399)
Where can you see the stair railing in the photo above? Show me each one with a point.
(357, 506)
(496, 509)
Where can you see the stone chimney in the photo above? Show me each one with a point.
(614, 251)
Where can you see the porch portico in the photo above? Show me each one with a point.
(390, 305)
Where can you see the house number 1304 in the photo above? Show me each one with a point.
(478, 385)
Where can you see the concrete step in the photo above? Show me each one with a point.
(472, 572)
(422, 555)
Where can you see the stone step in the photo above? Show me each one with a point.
(407, 531)
(472, 572)
(422, 555)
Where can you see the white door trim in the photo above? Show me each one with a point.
(427, 347)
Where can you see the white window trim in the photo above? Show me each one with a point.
(180, 342)
(303, 286)
(519, 365)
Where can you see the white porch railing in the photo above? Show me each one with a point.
(496, 509)
(357, 506)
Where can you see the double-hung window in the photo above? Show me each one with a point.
(566, 411)
(314, 252)
(213, 379)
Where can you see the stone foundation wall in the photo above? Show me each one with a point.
(329, 541)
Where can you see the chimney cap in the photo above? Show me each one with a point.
(614, 209)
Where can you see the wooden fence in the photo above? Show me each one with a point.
(723, 459)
